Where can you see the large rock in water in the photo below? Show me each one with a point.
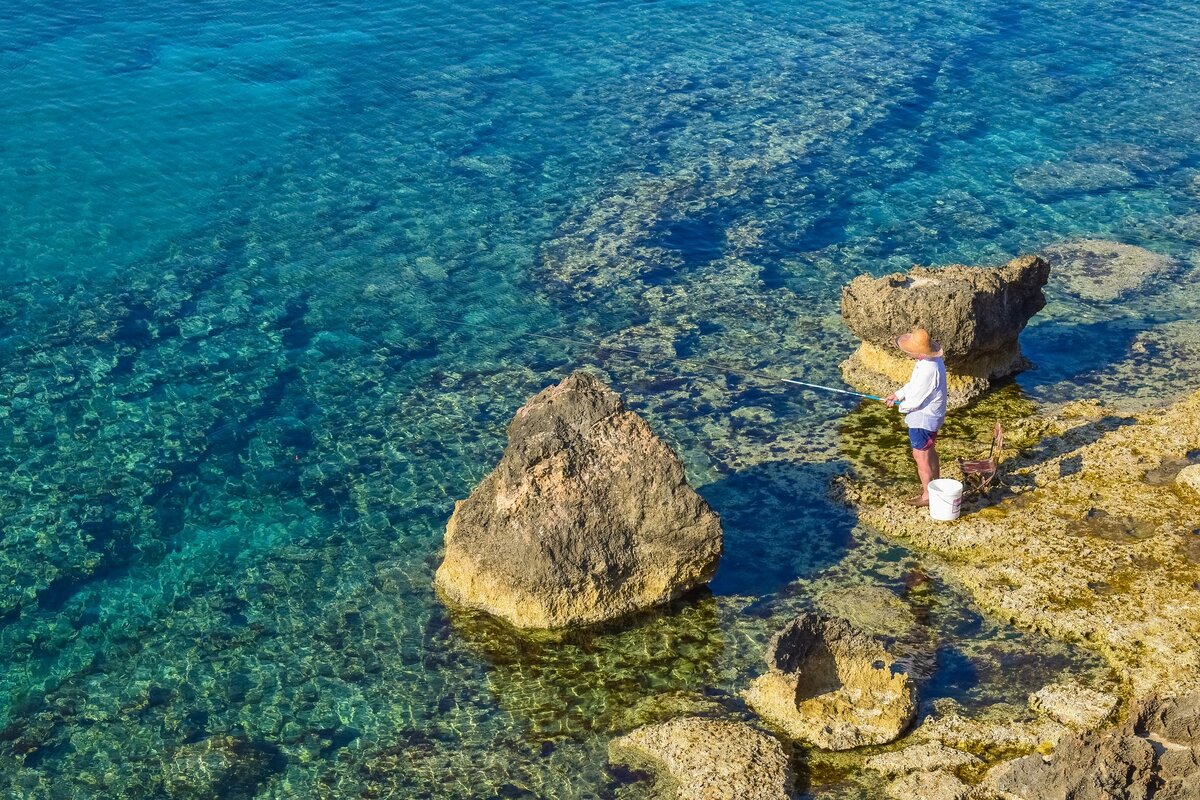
(977, 313)
(833, 686)
(587, 517)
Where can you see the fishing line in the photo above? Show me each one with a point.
(629, 351)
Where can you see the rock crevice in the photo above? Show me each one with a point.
(1155, 754)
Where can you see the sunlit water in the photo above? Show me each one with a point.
(233, 418)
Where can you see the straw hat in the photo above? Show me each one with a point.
(918, 343)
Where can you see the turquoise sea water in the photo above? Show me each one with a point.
(233, 421)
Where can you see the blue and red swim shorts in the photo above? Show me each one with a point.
(921, 439)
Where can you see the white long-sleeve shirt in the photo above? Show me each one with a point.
(923, 398)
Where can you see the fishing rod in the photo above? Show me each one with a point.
(710, 364)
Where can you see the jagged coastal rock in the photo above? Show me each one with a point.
(833, 686)
(976, 313)
(1156, 753)
(587, 517)
(696, 758)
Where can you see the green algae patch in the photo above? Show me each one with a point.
(605, 678)
(874, 439)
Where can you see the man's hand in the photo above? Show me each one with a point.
(891, 400)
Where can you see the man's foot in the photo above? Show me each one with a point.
(919, 501)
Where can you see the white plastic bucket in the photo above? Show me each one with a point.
(945, 499)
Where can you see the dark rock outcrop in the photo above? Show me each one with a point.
(1155, 754)
(976, 313)
(697, 758)
(587, 517)
(833, 686)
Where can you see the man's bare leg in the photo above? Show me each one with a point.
(928, 467)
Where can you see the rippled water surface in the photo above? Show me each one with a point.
(234, 418)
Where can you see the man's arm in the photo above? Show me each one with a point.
(919, 389)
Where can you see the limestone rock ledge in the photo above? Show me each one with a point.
(698, 758)
(977, 313)
(990, 735)
(928, 786)
(587, 517)
(833, 686)
(928, 757)
(1078, 707)
(1088, 540)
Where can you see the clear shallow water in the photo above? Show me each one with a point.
(233, 425)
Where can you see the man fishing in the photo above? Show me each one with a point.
(923, 402)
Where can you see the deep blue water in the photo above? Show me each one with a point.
(233, 421)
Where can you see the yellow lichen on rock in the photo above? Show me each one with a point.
(872, 368)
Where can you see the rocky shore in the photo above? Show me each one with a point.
(1093, 537)
(1090, 538)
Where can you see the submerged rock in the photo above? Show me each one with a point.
(1156, 753)
(833, 686)
(1073, 705)
(587, 517)
(1052, 179)
(217, 768)
(871, 609)
(976, 313)
(708, 759)
(1104, 271)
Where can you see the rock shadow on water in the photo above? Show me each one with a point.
(604, 678)
(1066, 351)
(780, 524)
